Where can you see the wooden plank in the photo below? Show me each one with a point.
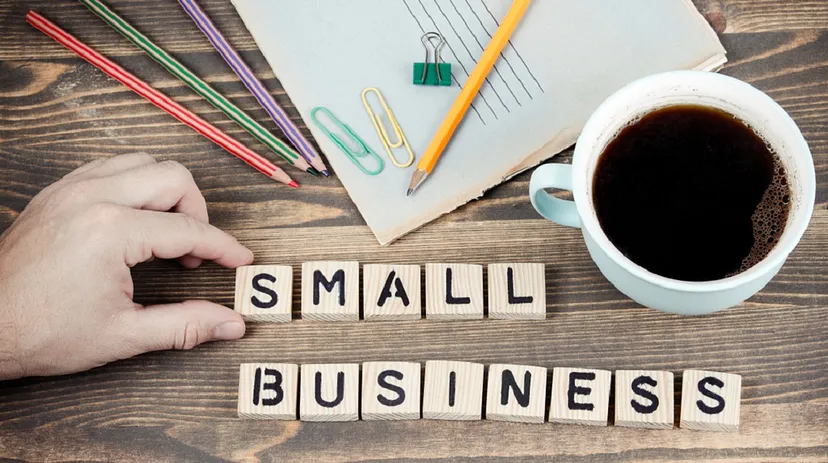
(330, 291)
(644, 399)
(516, 393)
(264, 293)
(580, 396)
(454, 291)
(517, 291)
(711, 401)
(391, 292)
(391, 391)
(268, 391)
(329, 392)
(453, 391)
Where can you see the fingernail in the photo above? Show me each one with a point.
(228, 331)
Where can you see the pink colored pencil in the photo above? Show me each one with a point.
(159, 99)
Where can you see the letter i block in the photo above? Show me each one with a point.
(268, 391)
(330, 291)
(454, 291)
(390, 391)
(264, 293)
(644, 399)
(391, 292)
(580, 396)
(517, 291)
(516, 393)
(710, 401)
(329, 392)
(453, 391)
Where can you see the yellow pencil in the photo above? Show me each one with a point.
(467, 94)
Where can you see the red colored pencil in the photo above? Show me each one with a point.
(159, 99)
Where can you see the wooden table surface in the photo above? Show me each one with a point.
(58, 112)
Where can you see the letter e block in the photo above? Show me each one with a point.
(329, 392)
(330, 291)
(516, 393)
(580, 396)
(391, 292)
(264, 293)
(644, 399)
(268, 391)
(453, 391)
(390, 391)
(454, 291)
(710, 401)
(517, 291)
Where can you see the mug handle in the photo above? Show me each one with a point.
(558, 210)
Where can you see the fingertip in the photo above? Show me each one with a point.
(229, 331)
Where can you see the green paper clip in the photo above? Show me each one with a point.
(354, 156)
(436, 73)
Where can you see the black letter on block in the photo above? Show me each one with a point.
(507, 382)
(577, 390)
(386, 290)
(257, 285)
(712, 395)
(319, 279)
(381, 380)
(452, 387)
(637, 389)
(450, 299)
(510, 282)
(275, 386)
(340, 390)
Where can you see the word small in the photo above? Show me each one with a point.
(330, 292)
(453, 390)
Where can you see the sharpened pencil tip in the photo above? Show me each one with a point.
(325, 173)
(313, 171)
(410, 190)
(293, 184)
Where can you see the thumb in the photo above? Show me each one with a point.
(183, 325)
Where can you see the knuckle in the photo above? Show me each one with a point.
(177, 170)
(187, 336)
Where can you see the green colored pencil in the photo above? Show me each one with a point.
(198, 85)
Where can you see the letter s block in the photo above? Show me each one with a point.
(710, 401)
(264, 293)
(644, 399)
(391, 391)
(330, 291)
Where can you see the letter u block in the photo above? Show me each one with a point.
(329, 392)
(330, 291)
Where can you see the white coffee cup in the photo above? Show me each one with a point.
(752, 106)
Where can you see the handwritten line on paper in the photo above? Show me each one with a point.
(497, 23)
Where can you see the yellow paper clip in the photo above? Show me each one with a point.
(380, 127)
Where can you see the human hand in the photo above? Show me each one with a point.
(65, 283)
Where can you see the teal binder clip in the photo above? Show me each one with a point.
(436, 73)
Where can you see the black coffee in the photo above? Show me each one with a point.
(691, 193)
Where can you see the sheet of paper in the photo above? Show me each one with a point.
(564, 59)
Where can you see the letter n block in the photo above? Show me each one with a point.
(330, 291)
(264, 293)
(391, 292)
(454, 291)
(517, 291)
(516, 393)
(580, 396)
(644, 399)
(329, 392)
(710, 401)
(268, 391)
(390, 391)
(453, 391)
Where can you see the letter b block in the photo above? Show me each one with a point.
(267, 391)
(390, 391)
(329, 392)
(454, 291)
(330, 291)
(264, 293)
(580, 396)
(710, 401)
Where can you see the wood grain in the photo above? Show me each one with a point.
(56, 112)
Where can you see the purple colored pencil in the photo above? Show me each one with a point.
(253, 84)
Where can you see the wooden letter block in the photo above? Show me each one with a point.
(517, 291)
(580, 396)
(454, 291)
(644, 399)
(390, 391)
(516, 393)
(710, 401)
(329, 392)
(453, 391)
(330, 291)
(268, 391)
(391, 292)
(264, 293)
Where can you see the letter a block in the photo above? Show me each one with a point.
(391, 292)
(329, 392)
(330, 291)
(390, 391)
(516, 393)
(517, 291)
(268, 391)
(580, 396)
(453, 391)
(264, 293)
(454, 291)
(710, 401)
(644, 399)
